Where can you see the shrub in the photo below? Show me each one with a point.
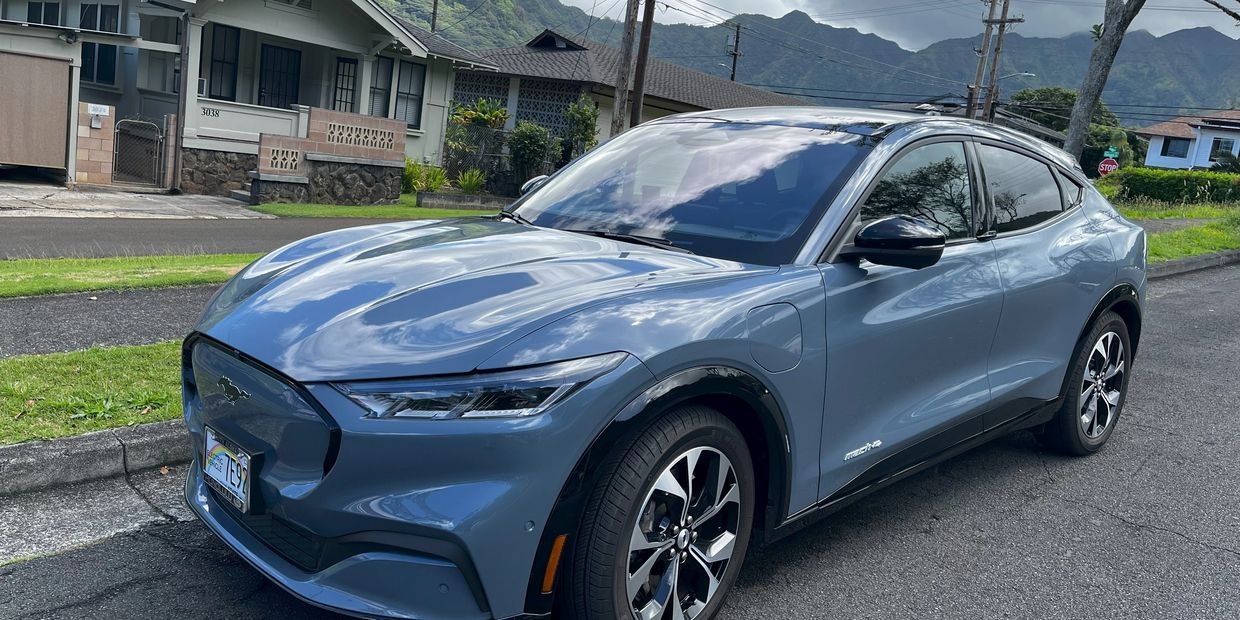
(1174, 185)
(484, 112)
(433, 179)
(471, 181)
(582, 124)
(411, 176)
(1226, 162)
(530, 146)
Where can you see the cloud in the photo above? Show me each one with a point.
(915, 24)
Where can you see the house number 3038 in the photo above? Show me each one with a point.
(215, 112)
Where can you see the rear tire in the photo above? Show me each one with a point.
(1097, 387)
(669, 522)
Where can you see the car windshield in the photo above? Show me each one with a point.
(737, 191)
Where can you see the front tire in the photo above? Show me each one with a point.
(666, 531)
(1097, 387)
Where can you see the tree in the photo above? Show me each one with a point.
(1050, 106)
(1116, 18)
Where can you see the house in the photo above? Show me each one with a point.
(1192, 141)
(955, 105)
(279, 91)
(538, 80)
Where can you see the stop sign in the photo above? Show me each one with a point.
(1107, 166)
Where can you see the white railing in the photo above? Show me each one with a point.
(244, 122)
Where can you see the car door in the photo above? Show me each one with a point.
(1055, 264)
(907, 349)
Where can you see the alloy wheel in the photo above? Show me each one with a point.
(1102, 385)
(684, 537)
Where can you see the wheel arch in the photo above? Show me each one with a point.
(740, 396)
(1124, 300)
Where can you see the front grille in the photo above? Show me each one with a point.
(292, 543)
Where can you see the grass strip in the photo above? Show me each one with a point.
(1205, 239)
(406, 209)
(42, 276)
(61, 394)
(1147, 210)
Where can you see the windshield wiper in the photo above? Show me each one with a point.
(654, 242)
(514, 217)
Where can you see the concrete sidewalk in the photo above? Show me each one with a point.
(21, 198)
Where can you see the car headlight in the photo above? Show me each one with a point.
(504, 394)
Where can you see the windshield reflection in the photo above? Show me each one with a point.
(737, 191)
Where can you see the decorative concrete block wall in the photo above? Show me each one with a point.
(95, 146)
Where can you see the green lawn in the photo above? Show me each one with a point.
(46, 396)
(1147, 210)
(42, 276)
(406, 209)
(1205, 239)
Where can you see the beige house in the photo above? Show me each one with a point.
(253, 68)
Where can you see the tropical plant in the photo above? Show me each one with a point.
(471, 181)
(582, 116)
(433, 179)
(1226, 162)
(484, 112)
(530, 146)
(411, 176)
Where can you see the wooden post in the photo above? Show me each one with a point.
(643, 56)
(619, 109)
(974, 89)
(989, 112)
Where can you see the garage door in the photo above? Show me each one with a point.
(34, 110)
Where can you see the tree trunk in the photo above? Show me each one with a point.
(1118, 15)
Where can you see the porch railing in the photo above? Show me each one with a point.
(245, 122)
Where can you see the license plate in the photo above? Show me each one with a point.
(227, 470)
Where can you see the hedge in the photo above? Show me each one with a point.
(1171, 185)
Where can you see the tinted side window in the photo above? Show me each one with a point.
(930, 182)
(1023, 189)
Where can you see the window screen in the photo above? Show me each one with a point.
(1175, 147)
(1221, 146)
(381, 90)
(1023, 189)
(222, 77)
(931, 183)
(409, 93)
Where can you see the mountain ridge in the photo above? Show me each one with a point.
(1193, 67)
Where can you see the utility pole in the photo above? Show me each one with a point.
(620, 105)
(970, 110)
(735, 52)
(435, 14)
(992, 87)
(643, 55)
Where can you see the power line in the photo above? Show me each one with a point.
(481, 4)
(843, 90)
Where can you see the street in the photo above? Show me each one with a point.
(1147, 528)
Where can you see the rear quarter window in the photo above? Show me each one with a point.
(1023, 189)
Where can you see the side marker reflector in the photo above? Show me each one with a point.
(553, 563)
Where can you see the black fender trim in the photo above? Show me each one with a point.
(663, 395)
(1123, 292)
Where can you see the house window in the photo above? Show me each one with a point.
(1175, 147)
(346, 84)
(222, 74)
(1222, 146)
(381, 89)
(99, 59)
(409, 87)
(43, 13)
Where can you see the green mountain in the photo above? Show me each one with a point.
(841, 66)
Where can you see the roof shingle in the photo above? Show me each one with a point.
(599, 64)
(1182, 127)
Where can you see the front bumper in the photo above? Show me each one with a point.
(404, 518)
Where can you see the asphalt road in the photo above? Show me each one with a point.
(1148, 528)
(49, 237)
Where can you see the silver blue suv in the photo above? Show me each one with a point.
(708, 332)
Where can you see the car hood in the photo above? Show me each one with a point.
(427, 297)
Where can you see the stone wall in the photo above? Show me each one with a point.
(94, 147)
(215, 172)
(353, 184)
(269, 190)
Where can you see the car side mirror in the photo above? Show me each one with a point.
(899, 241)
(533, 184)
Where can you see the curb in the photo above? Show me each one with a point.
(35, 465)
(1193, 263)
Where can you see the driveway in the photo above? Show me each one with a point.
(1147, 528)
(22, 198)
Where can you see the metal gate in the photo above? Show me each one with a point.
(138, 155)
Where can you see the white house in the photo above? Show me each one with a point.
(1193, 141)
(253, 67)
